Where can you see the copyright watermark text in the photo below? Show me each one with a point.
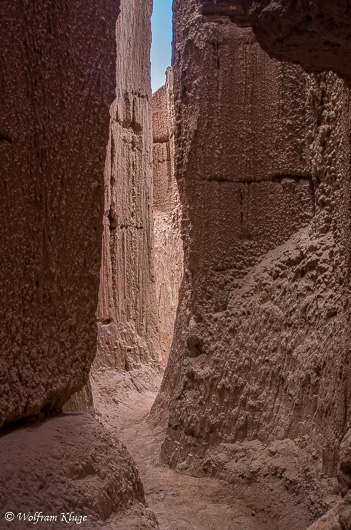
(40, 517)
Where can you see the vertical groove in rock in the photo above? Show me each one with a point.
(128, 328)
(167, 215)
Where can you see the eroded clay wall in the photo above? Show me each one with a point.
(262, 161)
(56, 89)
(128, 335)
(313, 33)
(167, 215)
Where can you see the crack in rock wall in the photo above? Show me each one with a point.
(262, 160)
(167, 215)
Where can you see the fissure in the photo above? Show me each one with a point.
(174, 269)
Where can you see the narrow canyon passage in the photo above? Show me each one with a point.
(175, 276)
(179, 501)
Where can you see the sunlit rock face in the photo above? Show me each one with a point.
(56, 90)
(262, 160)
(167, 215)
(127, 314)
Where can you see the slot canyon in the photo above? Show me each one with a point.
(175, 267)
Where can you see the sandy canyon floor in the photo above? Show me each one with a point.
(179, 501)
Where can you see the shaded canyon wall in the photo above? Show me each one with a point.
(56, 90)
(314, 34)
(57, 148)
(262, 161)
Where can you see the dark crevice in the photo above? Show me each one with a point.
(137, 227)
(224, 8)
(5, 139)
(113, 218)
(161, 140)
(105, 322)
(296, 178)
(135, 126)
(274, 178)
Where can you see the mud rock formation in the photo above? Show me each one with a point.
(262, 160)
(312, 33)
(126, 312)
(58, 83)
(315, 34)
(56, 90)
(81, 401)
(69, 465)
(167, 215)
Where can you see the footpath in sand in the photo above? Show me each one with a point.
(179, 501)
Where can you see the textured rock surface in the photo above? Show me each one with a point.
(69, 464)
(127, 302)
(294, 494)
(313, 33)
(81, 401)
(262, 159)
(167, 215)
(329, 521)
(56, 90)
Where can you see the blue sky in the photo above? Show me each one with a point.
(161, 25)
